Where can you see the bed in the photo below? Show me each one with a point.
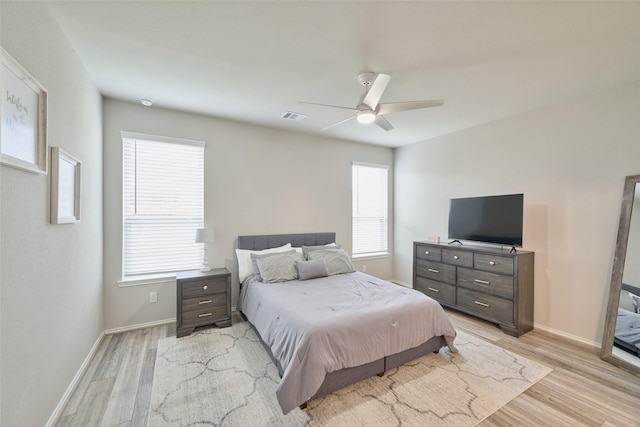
(328, 332)
(627, 334)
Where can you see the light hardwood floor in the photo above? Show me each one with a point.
(582, 390)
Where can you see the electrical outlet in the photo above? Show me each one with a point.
(153, 297)
(364, 268)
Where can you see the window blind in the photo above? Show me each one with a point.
(370, 209)
(163, 205)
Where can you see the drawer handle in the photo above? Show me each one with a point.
(205, 314)
(484, 282)
(455, 257)
(481, 303)
(426, 252)
(432, 270)
(434, 290)
(205, 287)
(492, 263)
(205, 302)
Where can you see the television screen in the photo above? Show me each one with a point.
(491, 219)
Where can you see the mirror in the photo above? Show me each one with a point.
(621, 338)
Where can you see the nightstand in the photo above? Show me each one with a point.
(203, 298)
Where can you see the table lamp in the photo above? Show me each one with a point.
(205, 235)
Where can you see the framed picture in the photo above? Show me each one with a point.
(23, 110)
(65, 187)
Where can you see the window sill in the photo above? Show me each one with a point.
(150, 279)
(370, 256)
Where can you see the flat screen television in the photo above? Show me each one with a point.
(490, 219)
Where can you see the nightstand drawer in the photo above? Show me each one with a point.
(204, 316)
(436, 271)
(487, 306)
(198, 288)
(204, 303)
(436, 290)
(482, 281)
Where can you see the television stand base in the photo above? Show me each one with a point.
(454, 241)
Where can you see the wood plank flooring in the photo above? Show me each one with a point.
(582, 390)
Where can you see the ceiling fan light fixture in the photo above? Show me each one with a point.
(366, 117)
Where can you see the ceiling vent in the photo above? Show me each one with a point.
(290, 115)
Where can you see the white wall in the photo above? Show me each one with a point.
(257, 181)
(570, 161)
(51, 275)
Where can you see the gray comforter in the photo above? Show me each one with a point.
(322, 325)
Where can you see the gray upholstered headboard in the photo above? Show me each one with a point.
(260, 242)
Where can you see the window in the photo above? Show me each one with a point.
(163, 204)
(370, 209)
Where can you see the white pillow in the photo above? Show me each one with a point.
(245, 267)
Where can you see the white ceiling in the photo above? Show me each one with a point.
(253, 61)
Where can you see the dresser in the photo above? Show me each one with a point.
(203, 298)
(492, 284)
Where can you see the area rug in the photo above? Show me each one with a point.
(223, 377)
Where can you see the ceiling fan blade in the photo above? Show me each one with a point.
(383, 123)
(327, 105)
(339, 123)
(394, 107)
(372, 98)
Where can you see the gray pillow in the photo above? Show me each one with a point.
(307, 249)
(280, 267)
(337, 260)
(256, 257)
(311, 269)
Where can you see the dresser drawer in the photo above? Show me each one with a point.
(198, 288)
(428, 253)
(436, 271)
(204, 303)
(488, 306)
(462, 258)
(436, 290)
(493, 263)
(204, 316)
(482, 281)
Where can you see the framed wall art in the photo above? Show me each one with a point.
(65, 187)
(23, 114)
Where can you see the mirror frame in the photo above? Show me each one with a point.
(606, 351)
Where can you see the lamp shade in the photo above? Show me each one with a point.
(205, 235)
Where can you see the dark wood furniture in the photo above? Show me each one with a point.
(203, 298)
(492, 284)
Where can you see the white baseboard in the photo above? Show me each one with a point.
(398, 282)
(57, 412)
(566, 335)
(139, 326)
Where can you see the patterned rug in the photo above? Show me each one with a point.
(223, 377)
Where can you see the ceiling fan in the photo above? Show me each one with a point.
(369, 108)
